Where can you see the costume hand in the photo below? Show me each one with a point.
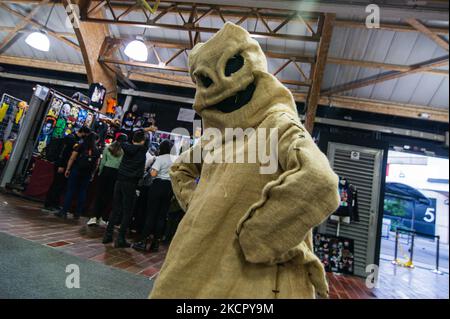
(67, 173)
(60, 170)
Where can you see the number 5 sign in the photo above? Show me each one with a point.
(430, 215)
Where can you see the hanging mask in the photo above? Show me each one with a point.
(55, 107)
(60, 127)
(89, 119)
(65, 111)
(82, 115)
(74, 111)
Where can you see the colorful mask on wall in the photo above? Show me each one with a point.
(60, 127)
(89, 119)
(47, 130)
(55, 107)
(73, 116)
(65, 111)
(69, 129)
(82, 115)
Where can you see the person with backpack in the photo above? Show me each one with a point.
(80, 170)
(109, 165)
(159, 196)
(131, 170)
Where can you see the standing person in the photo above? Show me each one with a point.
(159, 196)
(140, 210)
(131, 169)
(109, 165)
(53, 196)
(80, 170)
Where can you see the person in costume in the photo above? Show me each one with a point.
(247, 234)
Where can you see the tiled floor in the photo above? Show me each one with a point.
(22, 218)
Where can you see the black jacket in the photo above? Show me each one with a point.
(133, 162)
(66, 150)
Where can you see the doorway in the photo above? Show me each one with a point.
(415, 228)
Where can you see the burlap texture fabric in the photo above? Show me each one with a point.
(247, 234)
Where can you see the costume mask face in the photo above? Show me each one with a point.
(225, 70)
(65, 111)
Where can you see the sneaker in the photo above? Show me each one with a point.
(93, 221)
(60, 214)
(49, 210)
(101, 222)
(140, 246)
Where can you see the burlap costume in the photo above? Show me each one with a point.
(247, 234)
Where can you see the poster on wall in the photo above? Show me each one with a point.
(336, 253)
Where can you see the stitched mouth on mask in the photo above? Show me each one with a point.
(235, 102)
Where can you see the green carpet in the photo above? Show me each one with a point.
(29, 270)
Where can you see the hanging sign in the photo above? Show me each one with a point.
(186, 115)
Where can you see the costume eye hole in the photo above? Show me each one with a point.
(234, 64)
(205, 80)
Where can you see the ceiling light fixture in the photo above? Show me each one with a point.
(39, 39)
(137, 50)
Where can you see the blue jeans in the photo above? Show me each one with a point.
(76, 185)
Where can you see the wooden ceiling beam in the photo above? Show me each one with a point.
(91, 39)
(43, 64)
(387, 76)
(384, 66)
(419, 26)
(326, 27)
(274, 17)
(358, 104)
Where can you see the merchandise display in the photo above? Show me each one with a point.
(348, 206)
(64, 116)
(336, 253)
(97, 94)
(12, 112)
(254, 234)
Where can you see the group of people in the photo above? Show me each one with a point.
(120, 166)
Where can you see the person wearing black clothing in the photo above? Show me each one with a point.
(159, 197)
(80, 170)
(131, 169)
(52, 199)
(109, 166)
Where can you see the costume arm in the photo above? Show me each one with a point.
(303, 196)
(184, 173)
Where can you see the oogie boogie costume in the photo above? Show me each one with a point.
(247, 234)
